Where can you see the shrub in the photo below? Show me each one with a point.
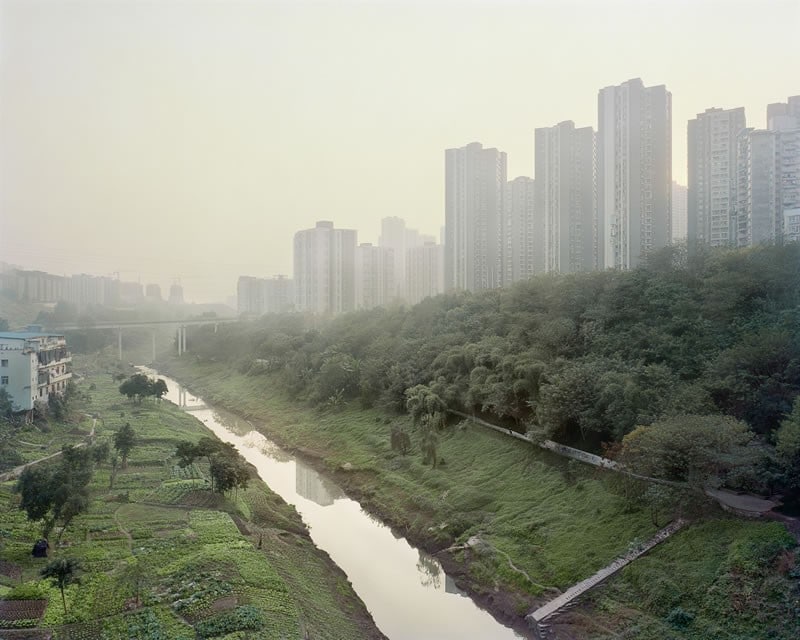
(242, 618)
(28, 591)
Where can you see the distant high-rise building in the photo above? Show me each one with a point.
(152, 292)
(711, 199)
(519, 230)
(777, 111)
(176, 294)
(324, 269)
(758, 207)
(278, 294)
(399, 238)
(35, 286)
(784, 118)
(566, 177)
(424, 272)
(257, 296)
(374, 271)
(475, 181)
(249, 296)
(634, 159)
(131, 292)
(679, 212)
(84, 290)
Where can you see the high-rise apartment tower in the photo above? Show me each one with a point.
(475, 179)
(634, 159)
(566, 177)
(711, 199)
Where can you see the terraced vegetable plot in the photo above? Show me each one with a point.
(16, 614)
(161, 555)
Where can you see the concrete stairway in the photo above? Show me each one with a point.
(578, 589)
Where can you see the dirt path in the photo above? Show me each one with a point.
(123, 529)
(16, 471)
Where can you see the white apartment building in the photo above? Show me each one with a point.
(399, 238)
(324, 269)
(712, 165)
(523, 230)
(374, 273)
(634, 160)
(784, 118)
(758, 207)
(33, 366)
(424, 272)
(566, 176)
(680, 217)
(475, 181)
(257, 296)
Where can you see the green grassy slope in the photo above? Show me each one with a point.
(557, 522)
(200, 571)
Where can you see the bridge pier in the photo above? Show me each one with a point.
(181, 339)
(119, 342)
(154, 345)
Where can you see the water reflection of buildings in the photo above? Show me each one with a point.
(312, 486)
(450, 586)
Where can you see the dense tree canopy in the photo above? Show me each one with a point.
(227, 468)
(140, 386)
(582, 358)
(56, 493)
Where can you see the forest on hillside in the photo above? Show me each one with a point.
(706, 342)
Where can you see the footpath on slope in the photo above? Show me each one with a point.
(14, 473)
(743, 505)
(545, 611)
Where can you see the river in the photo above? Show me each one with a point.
(408, 594)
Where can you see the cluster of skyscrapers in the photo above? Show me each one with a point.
(600, 200)
(744, 183)
(334, 274)
(82, 290)
(604, 199)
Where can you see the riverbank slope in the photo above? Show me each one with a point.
(546, 523)
(163, 556)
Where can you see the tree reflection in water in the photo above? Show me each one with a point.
(430, 573)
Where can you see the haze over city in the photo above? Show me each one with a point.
(191, 140)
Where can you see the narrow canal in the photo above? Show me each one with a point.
(406, 590)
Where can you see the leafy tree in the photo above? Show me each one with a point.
(429, 444)
(159, 388)
(757, 379)
(700, 450)
(227, 468)
(426, 406)
(186, 453)
(36, 488)
(124, 442)
(100, 452)
(6, 405)
(57, 493)
(62, 573)
(137, 577)
(787, 449)
(136, 387)
(400, 440)
(139, 386)
(71, 478)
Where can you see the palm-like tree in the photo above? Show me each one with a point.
(62, 573)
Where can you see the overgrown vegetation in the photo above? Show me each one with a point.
(583, 359)
(163, 556)
(687, 368)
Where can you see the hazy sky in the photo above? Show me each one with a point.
(184, 139)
